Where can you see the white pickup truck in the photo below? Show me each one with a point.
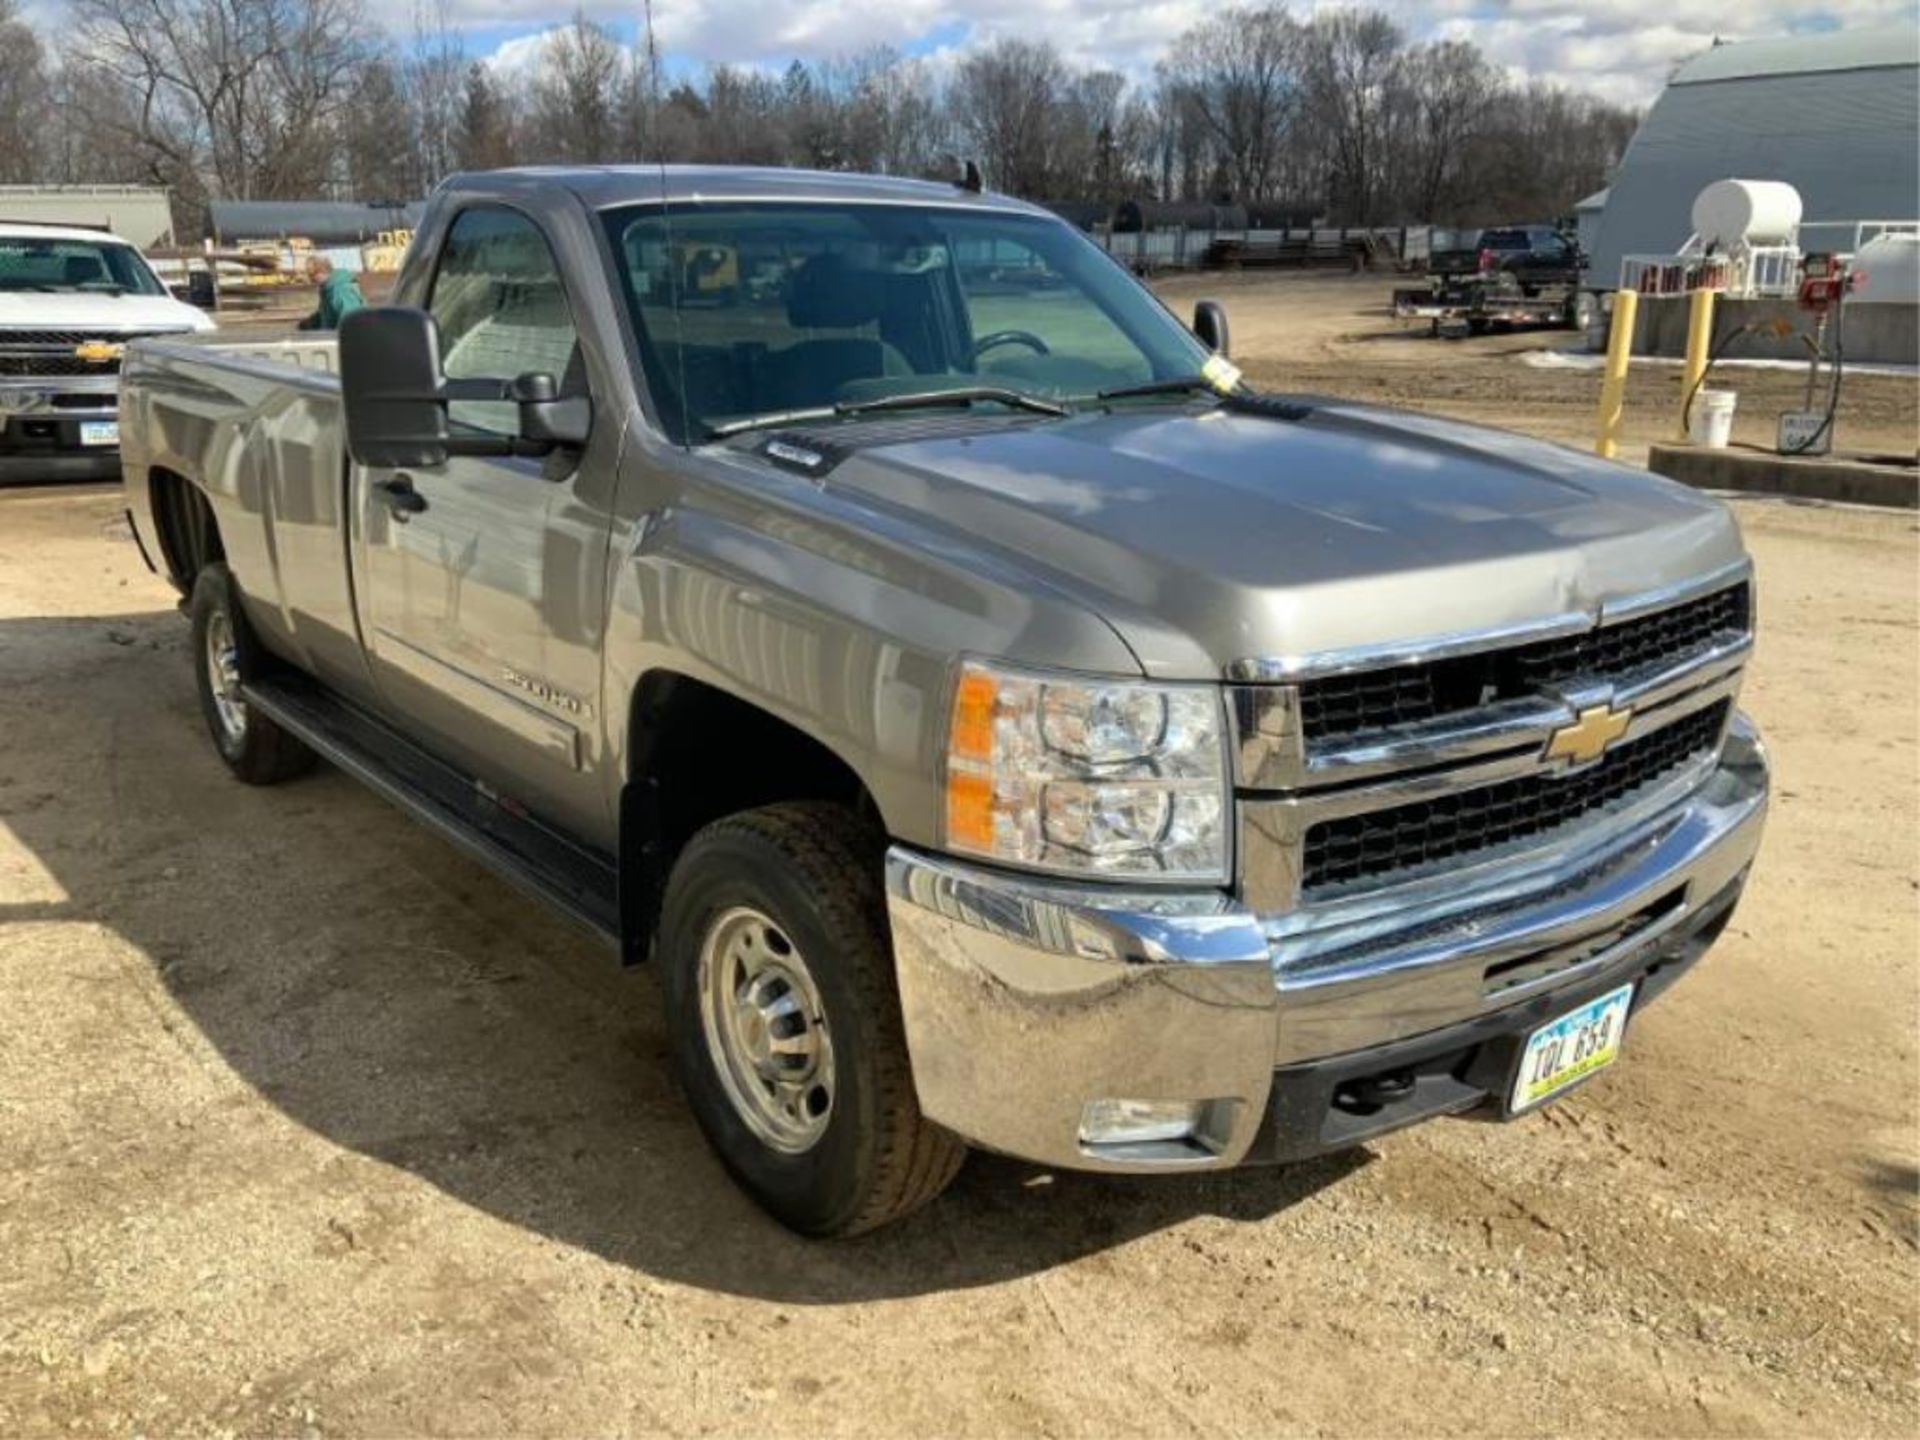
(70, 300)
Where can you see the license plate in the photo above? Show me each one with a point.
(99, 432)
(1571, 1048)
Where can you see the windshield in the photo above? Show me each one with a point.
(750, 310)
(97, 266)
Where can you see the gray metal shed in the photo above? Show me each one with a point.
(1837, 116)
(325, 222)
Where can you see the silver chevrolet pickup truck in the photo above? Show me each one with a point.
(1001, 725)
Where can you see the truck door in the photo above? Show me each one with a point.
(484, 577)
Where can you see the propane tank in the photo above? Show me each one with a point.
(1886, 271)
(1733, 214)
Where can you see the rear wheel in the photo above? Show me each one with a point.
(786, 1022)
(226, 655)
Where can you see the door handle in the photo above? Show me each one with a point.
(402, 499)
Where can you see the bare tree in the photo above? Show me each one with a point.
(1004, 100)
(24, 93)
(1240, 75)
(577, 95)
(891, 115)
(243, 93)
(1352, 64)
(1451, 87)
(483, 134)
(266, 98)
(743, 123)
(436, 70)
(380, 165)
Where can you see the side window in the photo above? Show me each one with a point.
(502, 311)
(1034, 327)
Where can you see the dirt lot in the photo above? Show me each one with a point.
(1334, 335)
(307, 1125)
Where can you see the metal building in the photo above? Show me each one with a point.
(1837, 116)
(137, 213)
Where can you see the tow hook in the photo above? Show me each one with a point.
(1374, 1093)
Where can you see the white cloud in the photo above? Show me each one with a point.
(1621, 49)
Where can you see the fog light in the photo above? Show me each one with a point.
(1138, 1122)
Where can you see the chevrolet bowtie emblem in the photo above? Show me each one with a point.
(1589, 736)
(98, 352)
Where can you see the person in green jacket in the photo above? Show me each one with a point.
(339, 296)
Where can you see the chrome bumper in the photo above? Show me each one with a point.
(1025, 1000)
(60, 397)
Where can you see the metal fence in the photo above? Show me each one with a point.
(1753, 272)
(1192, 249)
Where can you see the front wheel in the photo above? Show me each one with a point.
(786, 1024)
(226, 654)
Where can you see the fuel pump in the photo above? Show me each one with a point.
(1824, 283)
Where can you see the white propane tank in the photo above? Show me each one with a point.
(1887, 271)
(1729, 213)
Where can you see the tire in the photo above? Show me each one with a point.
(1580, 311)
(254, 747)
(812, 872)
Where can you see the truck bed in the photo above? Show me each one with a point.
(256, 424)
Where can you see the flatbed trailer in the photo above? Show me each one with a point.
(1453, 308)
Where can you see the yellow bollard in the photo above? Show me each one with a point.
(1613, 390)
(1699, 340)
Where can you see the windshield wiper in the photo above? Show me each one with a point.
(913, 400)
(1177, 385)
(770, 420)
(1239, 400)
(967, 395)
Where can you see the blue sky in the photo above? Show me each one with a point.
(1621, 49)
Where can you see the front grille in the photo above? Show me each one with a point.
(33, 354)
(1343, 705)
(1376, 845)
(15, 365)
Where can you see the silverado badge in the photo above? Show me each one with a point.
(1589, 735)
(98, 352)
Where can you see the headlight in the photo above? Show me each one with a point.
(1088, 777)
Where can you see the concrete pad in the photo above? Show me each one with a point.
(1858, 482)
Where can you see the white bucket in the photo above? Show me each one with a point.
(1711, 425)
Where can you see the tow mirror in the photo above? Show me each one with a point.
(1210, 324)
(391, 384)
(396, 397)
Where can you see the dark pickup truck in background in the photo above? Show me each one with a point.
(864, 600)
(1512, 275)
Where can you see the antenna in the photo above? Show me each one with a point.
(666, 225)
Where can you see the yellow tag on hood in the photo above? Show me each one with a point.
(1221, 373)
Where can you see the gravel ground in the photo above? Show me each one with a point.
(308, 1125)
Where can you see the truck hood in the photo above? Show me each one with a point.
(1210, 540)
(97, 314)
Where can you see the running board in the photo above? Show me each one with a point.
(580, 881)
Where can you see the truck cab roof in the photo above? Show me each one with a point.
(34, 230)
(603, 187)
